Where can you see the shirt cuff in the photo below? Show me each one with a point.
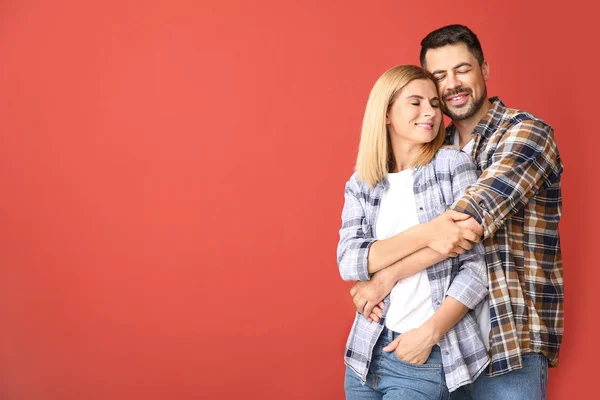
(467, 290)
(479, 210)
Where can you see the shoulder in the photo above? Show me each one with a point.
(446, 153)
(520, 120)
(449, 158)
(511, 123)
(522, 135)
(353, 182)
(356, 185)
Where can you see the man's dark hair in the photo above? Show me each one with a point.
(452, 34)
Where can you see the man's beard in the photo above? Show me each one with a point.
(473, 108)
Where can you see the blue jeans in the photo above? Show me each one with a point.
(391, 378)
(529, 382)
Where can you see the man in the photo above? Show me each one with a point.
(515, 204)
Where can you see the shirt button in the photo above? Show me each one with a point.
(482, 205)
(438, 302)
(447, 352)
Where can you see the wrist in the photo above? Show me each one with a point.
(429, 233)
(424, 232)
(386, 280)
(380, 278)
(430, 332)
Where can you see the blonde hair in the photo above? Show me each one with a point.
(375, 155)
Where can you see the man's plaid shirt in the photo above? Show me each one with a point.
(436, 186)
(517, 200)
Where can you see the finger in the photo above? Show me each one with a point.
(419, 360)
(471, 236)
(368, 308)
(377, 311)
(458, 250)
(452, 254)
(392, 346)
(457, 216)
(353, 290)
(375, 316)
(465, 244)
(361, 308)
(381, 305)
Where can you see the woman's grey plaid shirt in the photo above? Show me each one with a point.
(436, 186)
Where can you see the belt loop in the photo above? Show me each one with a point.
(389, 334)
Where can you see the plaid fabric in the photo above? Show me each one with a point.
(517, 200)
(436, 186)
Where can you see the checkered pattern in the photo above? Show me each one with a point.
(436, 186)
(517, 200)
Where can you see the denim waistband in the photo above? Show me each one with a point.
(389, 334)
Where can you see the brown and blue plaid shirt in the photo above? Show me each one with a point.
(436, 186)
(517, 200)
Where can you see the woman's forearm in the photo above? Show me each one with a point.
(450, 312)
(384, 253)
(412, 264)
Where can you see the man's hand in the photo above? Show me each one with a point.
(368, 295)
(413, 346)
(471, 224)
(451, 234)
(377, 312)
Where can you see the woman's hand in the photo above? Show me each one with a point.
(413, 346)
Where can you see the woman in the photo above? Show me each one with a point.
(427, 343)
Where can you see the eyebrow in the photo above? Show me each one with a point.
(416, 96)
(463, 64)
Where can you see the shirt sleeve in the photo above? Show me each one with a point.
(525, 158)
(470, 286)
(355, 235)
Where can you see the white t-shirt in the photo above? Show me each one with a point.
(483, 309)
(467, 147)
(410, 300)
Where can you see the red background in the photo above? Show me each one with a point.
(172, 176)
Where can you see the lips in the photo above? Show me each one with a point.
(425, 125)
(457, 99)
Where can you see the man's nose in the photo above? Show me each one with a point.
(452, 82)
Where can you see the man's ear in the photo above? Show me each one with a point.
(485, 70)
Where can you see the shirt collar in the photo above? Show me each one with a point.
(487, 125)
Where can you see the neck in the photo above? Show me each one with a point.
(404, 154)
(466, 126)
